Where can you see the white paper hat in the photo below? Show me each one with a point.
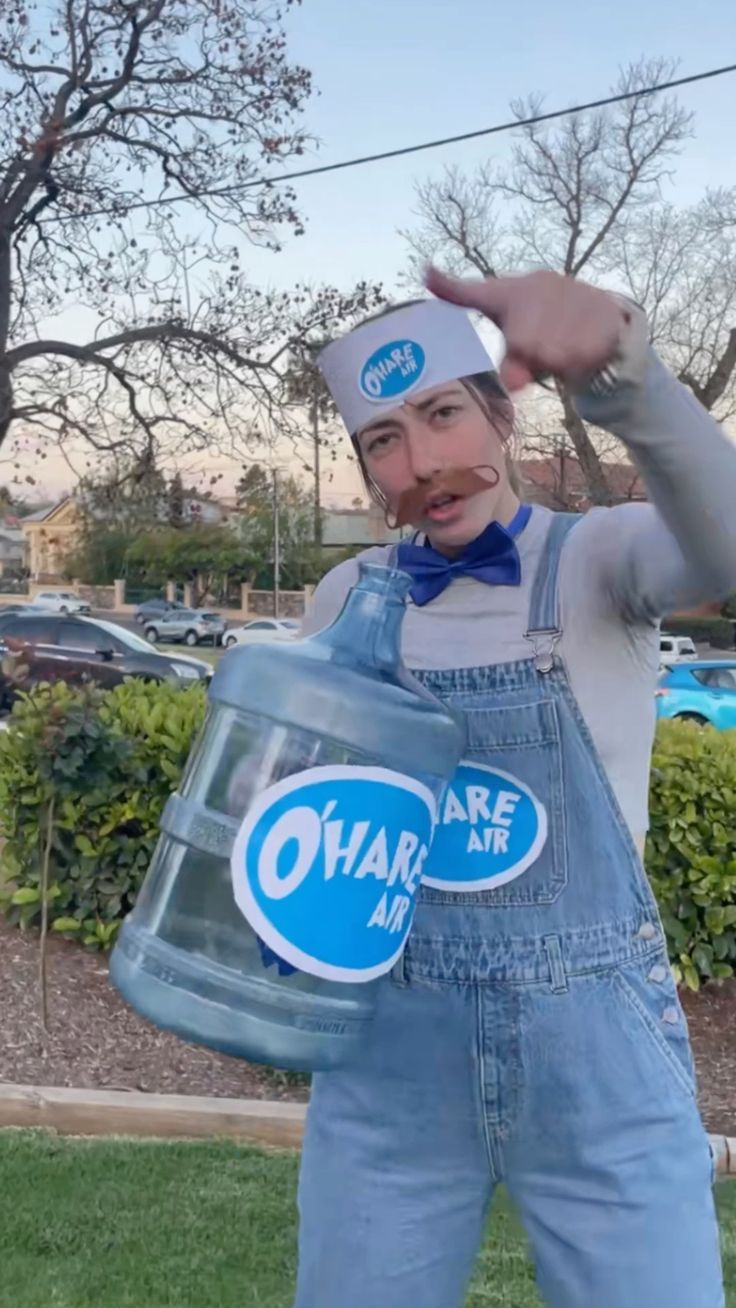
(378, 365)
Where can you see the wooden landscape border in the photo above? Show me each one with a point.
(134, 1113)
(190, 1117)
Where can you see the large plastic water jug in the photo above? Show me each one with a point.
(284, 880)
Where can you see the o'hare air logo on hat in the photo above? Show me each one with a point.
(392, 370)
(414, 348)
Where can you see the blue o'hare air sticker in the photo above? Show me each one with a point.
(392, 370)
(490, 829)
(327, 864)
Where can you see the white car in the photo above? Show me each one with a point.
(60, 601)
(262, 629)
(675, 649)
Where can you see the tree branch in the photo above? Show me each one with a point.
(712, 390)
(165, 331)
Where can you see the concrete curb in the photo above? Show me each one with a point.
(116, 1112)
(723, 1148)
(191, 1117)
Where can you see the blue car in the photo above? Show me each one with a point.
(703, 691)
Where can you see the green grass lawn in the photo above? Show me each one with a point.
(206, 652)
(119, 1224)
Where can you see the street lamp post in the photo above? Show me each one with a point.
(276, 544)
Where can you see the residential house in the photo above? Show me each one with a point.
(356, 528)
(201, 508)
(12, 546)
(51, 534)
(558, 482)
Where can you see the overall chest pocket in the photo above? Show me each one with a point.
(501, 838)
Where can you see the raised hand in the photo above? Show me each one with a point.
(551, 324)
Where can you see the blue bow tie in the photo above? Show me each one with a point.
(492, 557)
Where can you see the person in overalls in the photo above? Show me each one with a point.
(531, 1034)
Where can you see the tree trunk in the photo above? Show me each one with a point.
(6, 401)
(563, 476)
(45, 865)
(590, 464)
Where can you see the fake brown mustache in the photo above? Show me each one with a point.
(412, 503)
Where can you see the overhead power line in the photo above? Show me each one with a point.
(360, 160)
(500, 127)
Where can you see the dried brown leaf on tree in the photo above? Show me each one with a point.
(134, 193)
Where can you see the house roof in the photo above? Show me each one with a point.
(561, 483)
(41, 515)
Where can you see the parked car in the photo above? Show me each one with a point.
(675, 649)
(151, 609)
(61, 601)
(49, 647)
(702, 691)
(193, 626)
(262, 629)
(21, 608)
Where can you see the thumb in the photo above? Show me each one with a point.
(489, 296)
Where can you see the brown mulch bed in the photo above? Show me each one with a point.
(711, 1015)
(96, 1041)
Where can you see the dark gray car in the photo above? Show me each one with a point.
(52, 647)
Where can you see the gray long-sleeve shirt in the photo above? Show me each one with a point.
(622, 569)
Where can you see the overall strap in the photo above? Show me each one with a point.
(544, 606)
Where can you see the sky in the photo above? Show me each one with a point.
(394, 72)
(399, 71)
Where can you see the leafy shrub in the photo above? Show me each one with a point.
(718, 632)
(84, 776)
(691, 850)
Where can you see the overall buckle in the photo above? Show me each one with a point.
(544, 644)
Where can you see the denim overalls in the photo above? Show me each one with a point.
(531, 1034)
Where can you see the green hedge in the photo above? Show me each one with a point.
(89, 773)
(84, 776)
(691, 850)
(718, 632)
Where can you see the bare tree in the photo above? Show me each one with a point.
(548, 470)
(568, 189)
(721, 209)
(136, 135)
(680, 264)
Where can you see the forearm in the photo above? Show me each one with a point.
(685, 552)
